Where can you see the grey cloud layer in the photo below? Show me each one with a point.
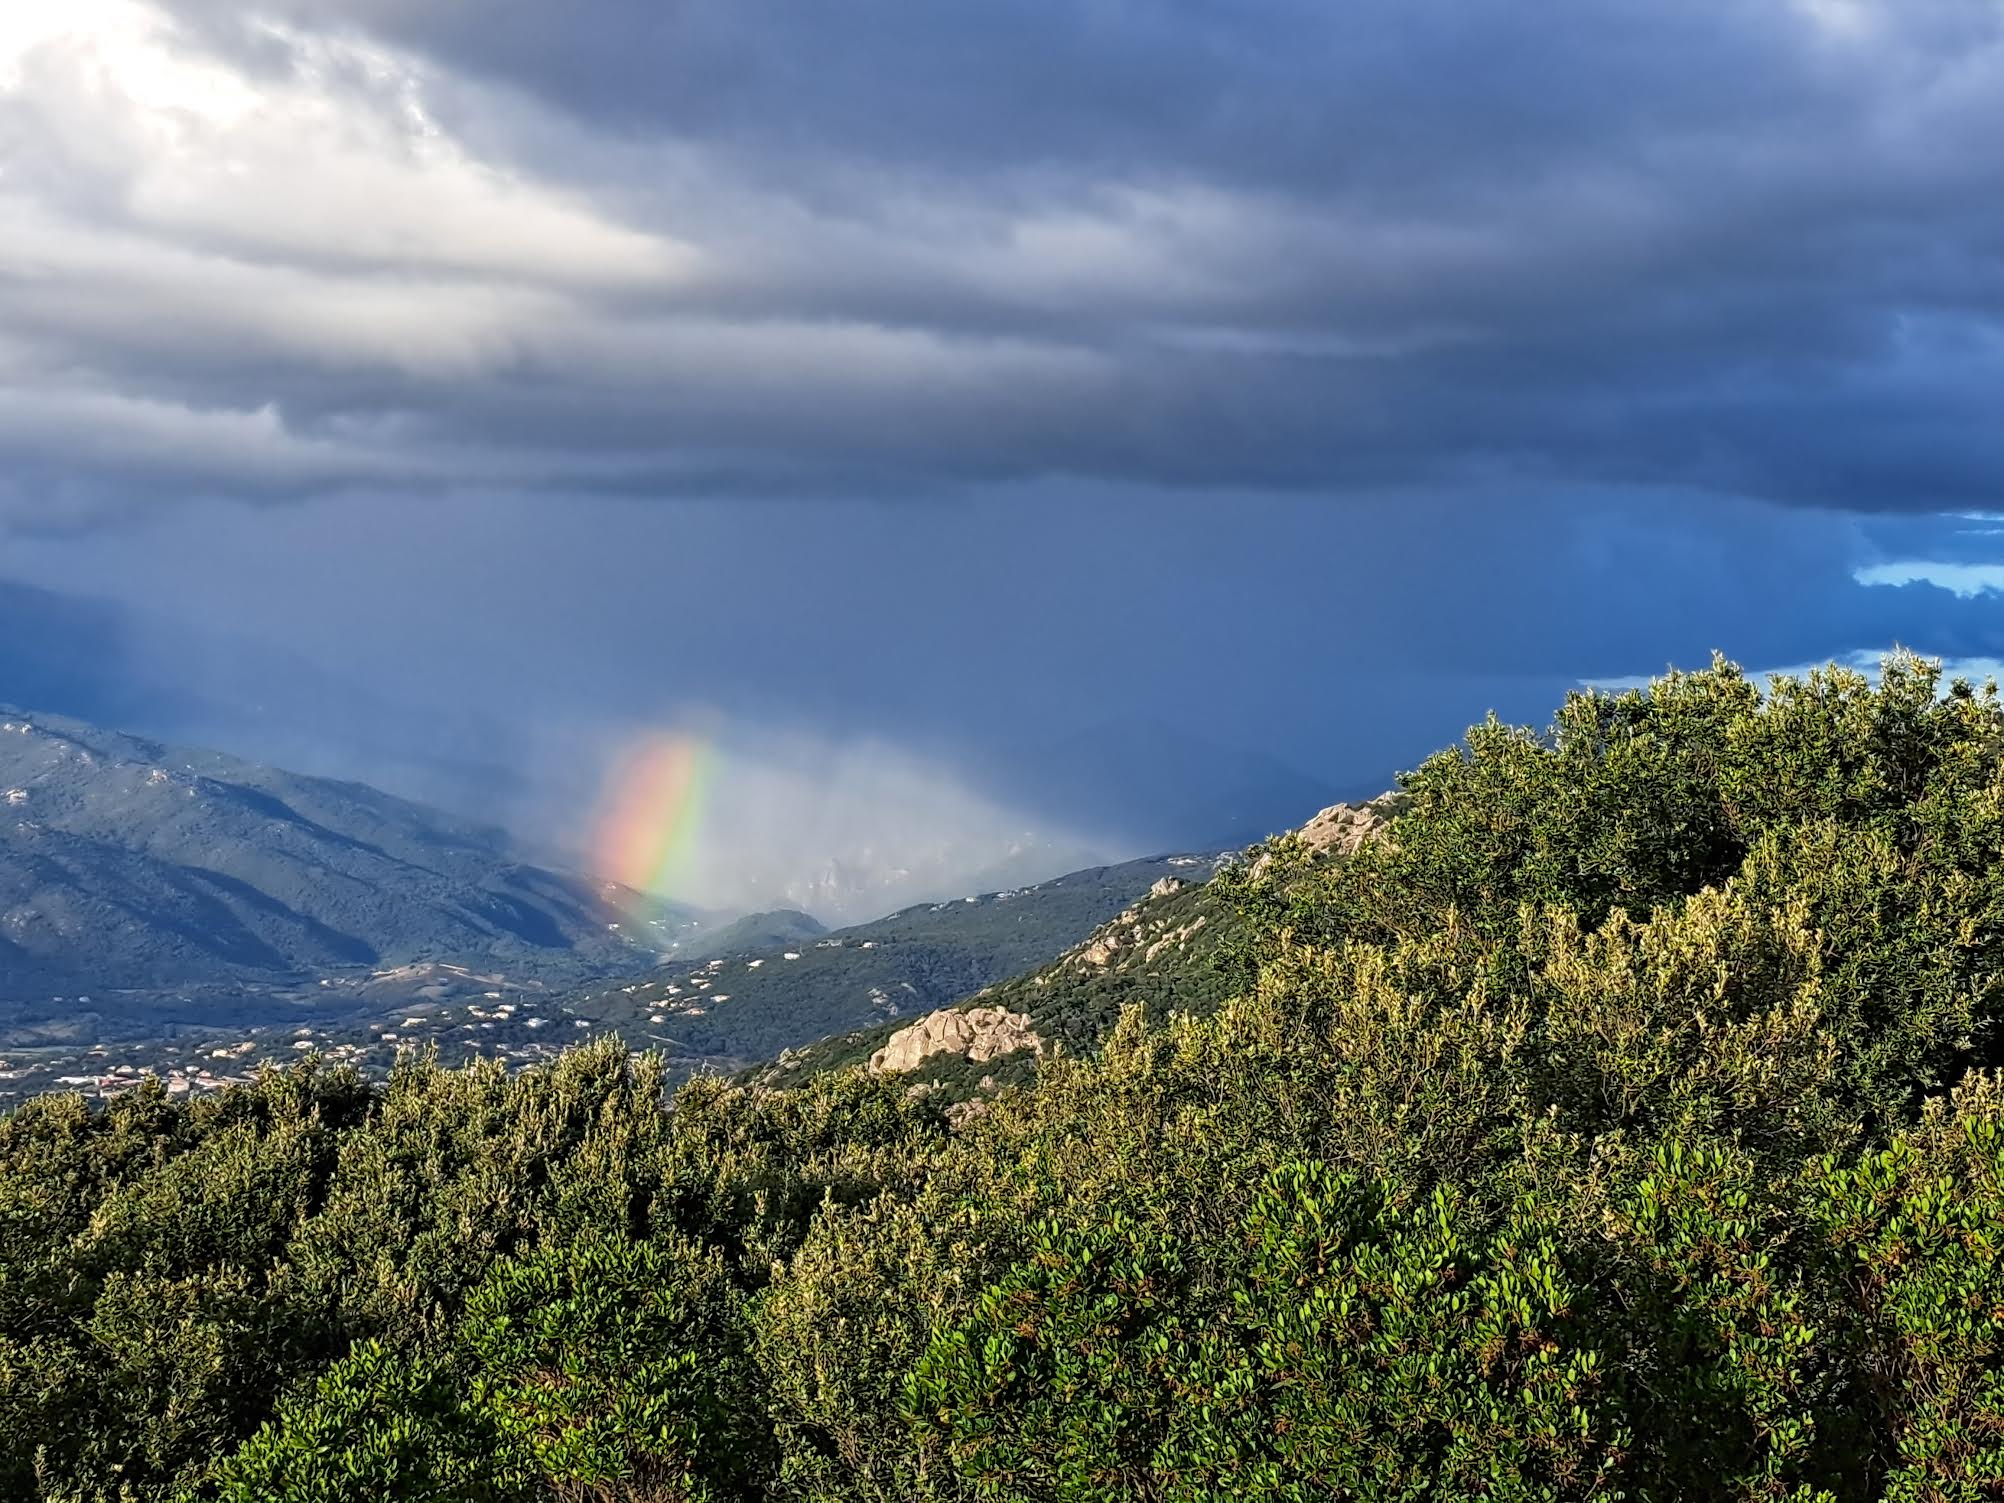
(889, 246)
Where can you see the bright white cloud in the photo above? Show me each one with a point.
(338, 161)
(1966, 580)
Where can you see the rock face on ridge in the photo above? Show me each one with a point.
(978, 1034)
(1342, 828)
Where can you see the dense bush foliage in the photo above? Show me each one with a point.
(1627, 1124)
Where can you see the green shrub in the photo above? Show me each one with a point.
(1626, 1123)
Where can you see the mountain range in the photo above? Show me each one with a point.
(161, 881)
(163, 906)
(179, 681)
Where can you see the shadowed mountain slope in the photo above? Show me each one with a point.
(127, 865)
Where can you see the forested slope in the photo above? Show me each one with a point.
(1624, 1123)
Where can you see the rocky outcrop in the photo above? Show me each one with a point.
(1178, 937)
(978, 1033)
(1122, 933)
(1341, 828)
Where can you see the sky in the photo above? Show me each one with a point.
(1000, 432)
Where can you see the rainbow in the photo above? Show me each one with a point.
(651, 811)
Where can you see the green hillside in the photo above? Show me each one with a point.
(1181, 948)
(744, 1005)
(1072, 1002)
(1623, 1121)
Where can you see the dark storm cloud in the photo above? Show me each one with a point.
(883, 247)
(1418, 100)
(1345, 639)
(892, 680)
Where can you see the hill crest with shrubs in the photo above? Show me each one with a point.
(1625, 1123)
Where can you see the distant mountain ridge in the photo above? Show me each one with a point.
(758, 994)
(159, 904)
(107, 664)
(128, 865)
(754, 932)
(1079, 794)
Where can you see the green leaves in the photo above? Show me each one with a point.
(378, 1425)
(607, 1361)
(1917, 1239)
(1341, 1348)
